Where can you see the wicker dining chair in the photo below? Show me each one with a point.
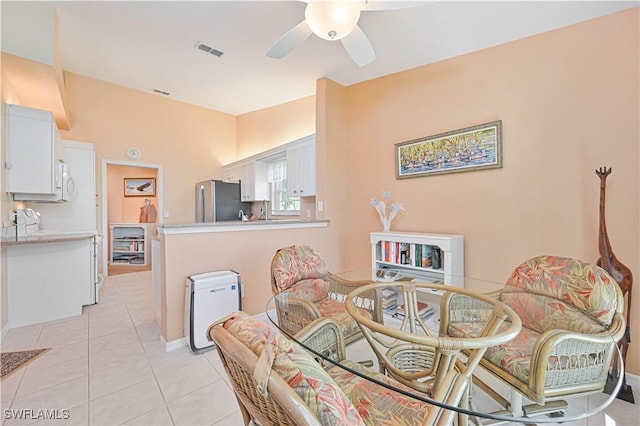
(305, 291)
(571, 313)
(276, 382)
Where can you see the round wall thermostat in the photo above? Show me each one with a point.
(133, 153)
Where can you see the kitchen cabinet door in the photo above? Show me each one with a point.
(247, 183)
(48, 281)
(253, 183)
(307, 169)
(232, 174)
(301, 170)
(32, 151)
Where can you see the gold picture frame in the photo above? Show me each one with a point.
(139, 187)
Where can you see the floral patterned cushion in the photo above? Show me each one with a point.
(295, 263)
(337, 310)
(550, 292)
(305, 376)
(515, 357)
(378, 405)
(314, 289)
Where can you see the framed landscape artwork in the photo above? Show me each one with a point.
(139, 187)
(472, 148)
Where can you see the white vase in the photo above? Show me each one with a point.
(386, 224)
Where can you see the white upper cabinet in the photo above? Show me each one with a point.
(232, 173)
(301, 169)
(252, 172)
(32, 150)
(253, 179)
(253, 184)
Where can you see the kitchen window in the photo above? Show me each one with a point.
(281, 203)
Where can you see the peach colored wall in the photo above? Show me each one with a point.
(123, 209)
(191, 143)
(268, 128)
(333, 169)
(568, 101)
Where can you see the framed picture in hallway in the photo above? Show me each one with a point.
(139, 187)
(471, 148)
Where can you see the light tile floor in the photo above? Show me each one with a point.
(109, 367)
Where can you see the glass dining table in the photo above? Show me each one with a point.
(405, 324)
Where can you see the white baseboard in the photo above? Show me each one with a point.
(183, 341)
(633, 380)
(174, 344)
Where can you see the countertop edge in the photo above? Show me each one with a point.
(196, 228)
(44, 238)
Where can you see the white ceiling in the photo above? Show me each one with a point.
(150, 44)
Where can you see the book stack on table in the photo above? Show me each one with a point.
(425, 311)
(389, 299)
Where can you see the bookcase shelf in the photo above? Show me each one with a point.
(129, 244)
(437, 257)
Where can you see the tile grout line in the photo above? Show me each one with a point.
(153, 372)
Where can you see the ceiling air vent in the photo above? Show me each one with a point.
(201, 46)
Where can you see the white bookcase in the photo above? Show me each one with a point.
(414, 254)
(387, 253)
(130, 244)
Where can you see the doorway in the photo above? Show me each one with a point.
(131, 212)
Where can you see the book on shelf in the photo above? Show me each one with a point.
(414, 255)
(426, 256)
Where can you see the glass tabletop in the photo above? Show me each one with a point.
(424, 335)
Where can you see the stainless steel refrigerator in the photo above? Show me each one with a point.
(218, 201)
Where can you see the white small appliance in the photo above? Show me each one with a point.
(26, 221)
(65, 187)
(209, 297)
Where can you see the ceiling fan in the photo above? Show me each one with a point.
(336, 20)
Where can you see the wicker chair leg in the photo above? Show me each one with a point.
(246, 417)
(463, 419)
(491, 392)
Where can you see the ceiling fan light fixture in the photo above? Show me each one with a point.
(332, 20)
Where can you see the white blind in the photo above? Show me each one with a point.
(277, 171)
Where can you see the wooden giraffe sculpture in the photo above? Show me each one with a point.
(614, 267)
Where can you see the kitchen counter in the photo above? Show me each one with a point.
(50, 276)
(45, 236)
(235, 225)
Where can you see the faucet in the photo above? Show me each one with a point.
(263, 210)
(243, 216)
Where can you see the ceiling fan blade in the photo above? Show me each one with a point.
(358, 47)
(292, 39)
(393, 4)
